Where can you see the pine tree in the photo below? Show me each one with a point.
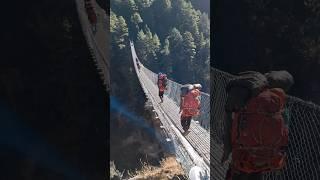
(132, 6)
(122, 32)
(166, 47)
(142, 4)
(119, 30)
(204, 24)
(165, 61)
(141, 46)
(176, 53)
(136, 19)
(189, 48)
(156, 43)
(175, 38)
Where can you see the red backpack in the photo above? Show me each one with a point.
(259, 133)
(191, 103)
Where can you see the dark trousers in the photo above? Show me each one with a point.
(185, 122)
(242, 176)
(161, 94)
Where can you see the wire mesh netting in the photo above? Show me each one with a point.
(304, 126)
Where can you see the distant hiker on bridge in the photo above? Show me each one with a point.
(162, 84)
(189, 104)
(138, 64)
(256, 130)
(92, 16)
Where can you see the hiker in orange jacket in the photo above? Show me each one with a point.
(249, 100)
(162, 84)
(189, 104)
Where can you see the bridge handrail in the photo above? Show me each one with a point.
(99, 57)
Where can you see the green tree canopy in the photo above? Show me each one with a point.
(119, 30)
(136, 19)
(169, 35)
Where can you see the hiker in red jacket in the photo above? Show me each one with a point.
(189, 104)
(256, 132)
(138, 64)
(162, 84)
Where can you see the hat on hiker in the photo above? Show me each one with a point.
(280, 79)
(197, 86)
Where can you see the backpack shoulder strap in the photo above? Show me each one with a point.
(279, 92)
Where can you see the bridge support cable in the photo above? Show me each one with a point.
(192, 149)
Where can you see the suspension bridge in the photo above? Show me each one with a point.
(203, 145)
(194, 147)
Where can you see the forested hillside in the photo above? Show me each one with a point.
(171, 36)
(202, 5)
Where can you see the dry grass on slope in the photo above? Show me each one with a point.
(169, 169)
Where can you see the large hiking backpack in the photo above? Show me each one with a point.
(254, 81)
(185, 89)
(162, 81)
(191, 103)
(259, 133)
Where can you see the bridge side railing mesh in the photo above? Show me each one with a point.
(173, 92)
(304, 131)
(99, 56)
